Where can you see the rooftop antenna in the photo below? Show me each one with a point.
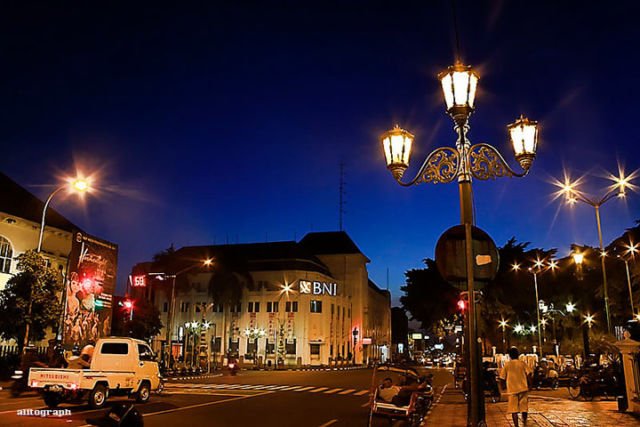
(342, 202)
(387, 278)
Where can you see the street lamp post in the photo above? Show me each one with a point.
(172, 302)
(78, 185)
(630, 252)
(537, 268)
(462, 163)
(572, 195)
(503, 325)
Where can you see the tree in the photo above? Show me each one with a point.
(144, 325)
(29, 303)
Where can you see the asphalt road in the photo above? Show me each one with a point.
(264, 398)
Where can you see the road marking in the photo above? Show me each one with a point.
(347, 391)
(304, 388)
(361, 392)
(332, 391)
(328, 423)
(279, 387)
(318, 390)
(292, 388)
(200, 405)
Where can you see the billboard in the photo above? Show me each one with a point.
(89, 287)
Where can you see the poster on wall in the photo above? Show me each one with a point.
(90, 284)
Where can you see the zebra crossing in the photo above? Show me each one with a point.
(212, 388)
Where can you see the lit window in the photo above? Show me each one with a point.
(6, 255)
(316, 306)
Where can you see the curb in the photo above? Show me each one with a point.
(434, 404)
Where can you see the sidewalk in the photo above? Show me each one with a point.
(451, 410)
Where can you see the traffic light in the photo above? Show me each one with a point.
(462, 305)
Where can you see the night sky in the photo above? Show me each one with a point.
(228, 122)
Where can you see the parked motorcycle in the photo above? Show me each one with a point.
(597, 381)
(233, 368)
(490, 382)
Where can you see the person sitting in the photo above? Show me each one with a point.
(387, 391)
(409, 386)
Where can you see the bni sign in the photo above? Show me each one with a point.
(318, 288)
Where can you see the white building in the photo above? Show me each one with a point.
(311, 302)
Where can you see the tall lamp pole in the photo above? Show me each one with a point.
(630, 252)
(462, 163)
(539, 266)
(572, 195)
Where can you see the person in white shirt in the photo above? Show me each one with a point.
(515, 373)
(387, 390)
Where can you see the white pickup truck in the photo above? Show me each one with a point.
(119, 366)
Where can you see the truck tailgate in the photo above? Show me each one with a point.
(67, 378)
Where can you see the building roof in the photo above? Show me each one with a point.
(272, 256)
(17, 201)
(330, 243)
(375, 288)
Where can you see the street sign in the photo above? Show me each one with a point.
(451, 262)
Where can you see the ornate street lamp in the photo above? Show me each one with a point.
(463, 163)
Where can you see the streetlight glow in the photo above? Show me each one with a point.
(515, 266)
(578, 258)
(589, 319)
(397, 149)
(524, 140)
(570, 307)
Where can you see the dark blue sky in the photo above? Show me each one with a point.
(229, 121)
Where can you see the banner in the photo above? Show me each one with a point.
(90, 284)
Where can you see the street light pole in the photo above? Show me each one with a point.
(461, 163)
(535, 284)
(572, 195)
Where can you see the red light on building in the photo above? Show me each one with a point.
(139, 281)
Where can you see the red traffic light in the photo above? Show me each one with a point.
(128, 304)
(462, 305)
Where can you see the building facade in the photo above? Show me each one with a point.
(20, 216)
(288, 303)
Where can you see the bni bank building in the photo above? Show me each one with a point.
(280, 303)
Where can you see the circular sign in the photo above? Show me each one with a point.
(451, 257)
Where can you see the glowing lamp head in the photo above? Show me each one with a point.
(532, 328)
(208, 262)
(578, 258)
(503, 323)
(523, 134)
(79, 185)
(570, 307)
(459, 84)
(128, 304)
(518, 329)
(462, 305)
(515, 266)
(396, 144)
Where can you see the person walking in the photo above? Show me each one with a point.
(515, 373)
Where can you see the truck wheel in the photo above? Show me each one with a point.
(144, 393)
(52, 400)
(98, 397)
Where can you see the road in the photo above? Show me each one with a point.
(264, 398)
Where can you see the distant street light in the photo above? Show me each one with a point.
(503, 324)
(77, 185)
(630, 252)
(539, 266)
(569, 190)
(462, 163)
(171, 315)
(570, 307)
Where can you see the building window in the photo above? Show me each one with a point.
(234, 347)
(314, 349)
(250, 306)
(272, 307)
(331, 350)
(216, 344)
(333, 309)
(253, 307)
(236, 308)
(6, 255)
(165, 306)
(184, 307)
(217, 308)
(316, 306)
(343, 312)
(290, 347)
(291, 306)
(252, 348)
(271, 347)
(256, 307)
